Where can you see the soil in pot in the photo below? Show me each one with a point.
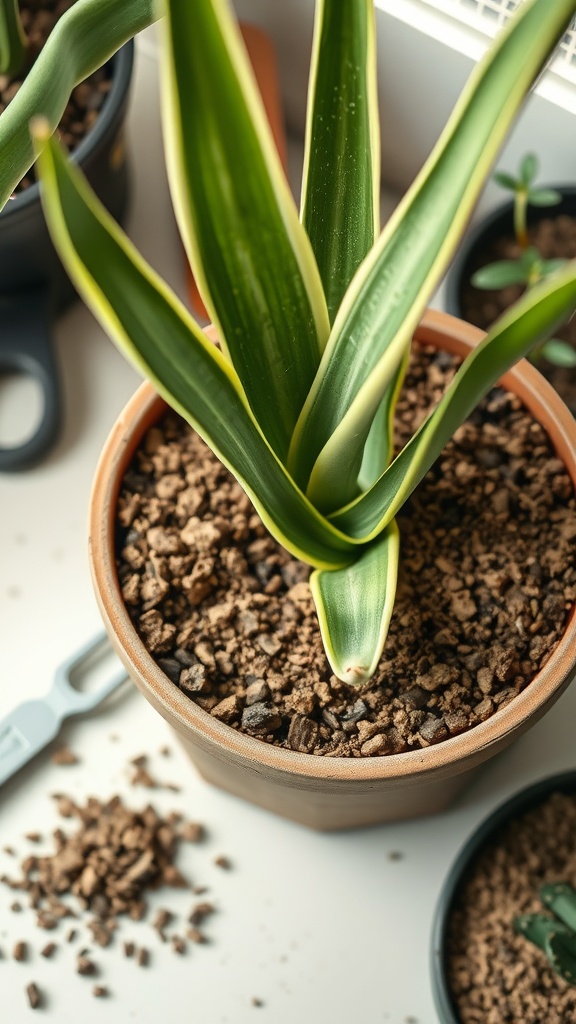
(555, 238)
(495, 975)
(487, 581)
(38, 18)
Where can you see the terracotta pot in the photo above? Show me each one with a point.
(325, 792)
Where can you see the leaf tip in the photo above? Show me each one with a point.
(354, 675)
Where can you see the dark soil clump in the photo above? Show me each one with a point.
(496, 975)
(486, 582)
(555, 238)
(38, 18)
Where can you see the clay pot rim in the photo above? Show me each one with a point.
(121, 64)
(523, 800)
(141, 412)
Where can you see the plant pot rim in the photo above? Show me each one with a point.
(143, 411)
(515, 805)
(485, 227)
(122, 62)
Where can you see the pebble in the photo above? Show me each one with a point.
(261, 717)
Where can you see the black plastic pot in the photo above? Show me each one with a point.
(516, 805)
(496, 225)
(33, 284)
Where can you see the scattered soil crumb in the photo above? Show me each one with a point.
(199, 912)
(192, 832)
(34, 995)
(20, 951)
(100, 991)
(84, 965)
(64, 756)
(143, 957)
(48, 950)
(223, 862)
(161, 921)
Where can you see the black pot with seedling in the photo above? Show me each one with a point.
(511, 250)
(539, 944)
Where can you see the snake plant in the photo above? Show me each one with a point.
(315, 314)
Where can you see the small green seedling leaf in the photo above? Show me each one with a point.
(560, 898)
(559, 352)
(501, 274)
(561, 952)
(528, 168)
(544, 197)
(506, 180)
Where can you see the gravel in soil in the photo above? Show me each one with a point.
(38, 18)
(486, 581)
(495, 975)
(555, 238)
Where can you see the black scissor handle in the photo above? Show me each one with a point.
(26, 347)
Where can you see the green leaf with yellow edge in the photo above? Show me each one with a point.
(341, 181)
(355, 605)
(380, 441)
(84, 38)
(392, 287)
(250, 255)
(530, 321)
(12, 39)
(157, 334)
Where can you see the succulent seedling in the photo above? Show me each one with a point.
(555, 936)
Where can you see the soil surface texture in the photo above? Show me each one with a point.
(495, 975)
(38, 18)
(486, 582)
(555, 238)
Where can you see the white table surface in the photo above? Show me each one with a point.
(323, 928)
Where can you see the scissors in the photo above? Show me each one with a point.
(33, 724)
